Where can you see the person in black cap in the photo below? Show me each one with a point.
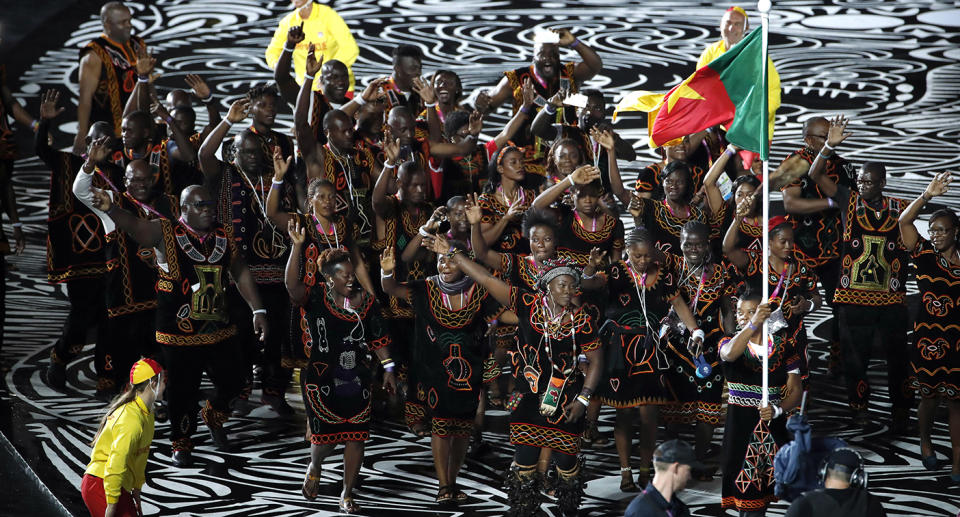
(672, 463)
(844, 490)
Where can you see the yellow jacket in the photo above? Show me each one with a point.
(324, 28)
(119, 457)
(714, 51)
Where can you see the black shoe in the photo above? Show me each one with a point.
(182, 458)
(219, 436)
(278, 403)
(57, 375)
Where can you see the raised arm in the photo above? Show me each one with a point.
(714, 196)
(515, 124)
(581, 176)
(542, 125)
(90, 69)
(281, 74)
(306, 140)
(391, 149)
(202, 92)
(428, 94)
(147, 233)
(465, 146)
(908, 232)
(278, 217)
(481, 249)
(835, 136)
(409, 252)
(496, 287)
(209, 165)
(487, 102)
(607, 140)
(734, 348)
(139, 99)
(369, 94)
(185, 152)
(48, 112)
(591, 63)
(295, 286)
(731, 250)
(388, 264)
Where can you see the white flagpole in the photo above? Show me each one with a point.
(764, 7)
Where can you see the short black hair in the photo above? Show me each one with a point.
(697, 227)
(750, 293)
(779, 228)
(876, 167)
(454, 122)
(678, 167)
(262, 90)
(749, 179)
(405, 50)
(142, 117)
(595, 188)
(595, 94)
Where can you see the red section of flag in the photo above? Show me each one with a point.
(699, 102)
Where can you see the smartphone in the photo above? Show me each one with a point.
(565, 83)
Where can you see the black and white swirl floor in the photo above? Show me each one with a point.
(893, 67)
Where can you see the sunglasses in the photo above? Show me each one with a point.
(203, 204)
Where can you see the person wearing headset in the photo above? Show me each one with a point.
(844, 490)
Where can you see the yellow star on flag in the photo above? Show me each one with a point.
(683, 92)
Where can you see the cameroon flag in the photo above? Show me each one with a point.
(730, 91)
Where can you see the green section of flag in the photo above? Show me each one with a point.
(741, 71)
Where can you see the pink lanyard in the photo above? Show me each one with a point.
(783, 276)
(671, 209)
(521, 195)
(194, 232)
(333, 230)
(144, 206)
(593, 227)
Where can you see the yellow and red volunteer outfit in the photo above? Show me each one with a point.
(119, 459)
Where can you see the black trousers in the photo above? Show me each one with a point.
(829, 275)
(275, 378)
(862, 329)
(129, 337)
(87, 310)
(184, 366)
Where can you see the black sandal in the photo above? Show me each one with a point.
(445, 494)
(458, 495)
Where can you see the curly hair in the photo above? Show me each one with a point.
(329, 258)
(538, 217)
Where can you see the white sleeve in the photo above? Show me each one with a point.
(83, 189)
